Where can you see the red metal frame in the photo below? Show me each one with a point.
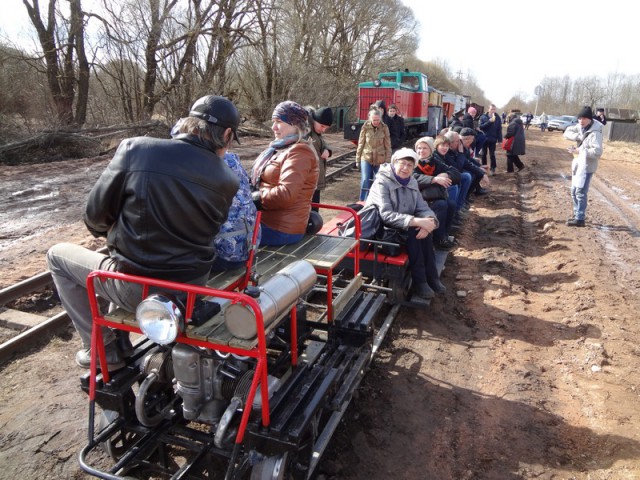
(258, 352)
(356, 255)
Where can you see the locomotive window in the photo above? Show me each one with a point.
(388, 78)
(412, 82)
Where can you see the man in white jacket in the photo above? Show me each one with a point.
(588, 137)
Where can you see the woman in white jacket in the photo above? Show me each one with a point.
(588, 137)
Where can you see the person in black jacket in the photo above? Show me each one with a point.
(456, 120)
(600, 116)
(491, 125)
(436, 180)
(469, 122)
(396, 130)
(159, 204)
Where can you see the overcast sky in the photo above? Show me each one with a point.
(508, 46)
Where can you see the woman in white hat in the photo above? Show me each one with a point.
(395, 192)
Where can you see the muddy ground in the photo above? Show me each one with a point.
(526, 368)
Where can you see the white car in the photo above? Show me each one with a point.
(561, 123)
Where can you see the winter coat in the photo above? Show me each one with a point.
(160, 203)
(397, 204)
(374, 144)
(590, 140)
(493, 130)
(233, 242)
(454, 122)
(467, 121)
(516, 129)
(431, 167)
(287, 185)
(396, 132)
(320, 146)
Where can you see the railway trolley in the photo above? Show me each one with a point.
(245, 377)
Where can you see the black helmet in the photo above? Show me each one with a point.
(217, 111)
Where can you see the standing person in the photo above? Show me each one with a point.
(504, 117)
(285, 176)
(528, 117)
(588, 137)
(491, 125)
(386, 119)
(321, 121)
(374, 149)
(469, 122)
(159, 203)
(543, 122)
(516, 130)
(600, 116)
(396, 130)
(395, 192)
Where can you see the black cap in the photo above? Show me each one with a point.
(467, 132)
(586, 112)
(217, 110)
(323, 116)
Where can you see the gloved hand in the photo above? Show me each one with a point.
(257, 199)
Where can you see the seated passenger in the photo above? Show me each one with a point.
(395, 192)
(285, 176)
(233, 242)
(441, 151)
(435, 178)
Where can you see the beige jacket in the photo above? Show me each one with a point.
(374, 144)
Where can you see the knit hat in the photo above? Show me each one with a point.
(428, 140)
(467, 132)
(404, 153)
(324, 116)
(293, 114)
(586, 112)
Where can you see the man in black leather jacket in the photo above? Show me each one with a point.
(159, 203)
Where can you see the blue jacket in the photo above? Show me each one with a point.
(493, 130)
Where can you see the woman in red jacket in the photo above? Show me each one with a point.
(285, 176)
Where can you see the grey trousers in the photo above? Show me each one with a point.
(70, 264)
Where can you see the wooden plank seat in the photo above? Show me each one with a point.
(322, 251)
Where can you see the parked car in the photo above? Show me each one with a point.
(561, 123)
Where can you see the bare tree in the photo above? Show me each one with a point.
(61, 40)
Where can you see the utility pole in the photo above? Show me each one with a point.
(537, 92)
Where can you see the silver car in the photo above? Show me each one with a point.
(561, 123)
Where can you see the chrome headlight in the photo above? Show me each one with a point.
(160, 318)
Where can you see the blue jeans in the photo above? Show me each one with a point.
(454, 193)
(276, 238)
(579, 197)
(465, 184)
(367, 174)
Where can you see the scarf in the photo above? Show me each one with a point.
(402, 181)
(425, 167)
(261, 162)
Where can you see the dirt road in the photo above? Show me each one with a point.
(526, 368)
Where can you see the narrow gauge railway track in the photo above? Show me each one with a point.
(337, 166)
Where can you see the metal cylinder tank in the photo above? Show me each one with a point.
(277, 296)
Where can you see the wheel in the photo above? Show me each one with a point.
(272, 468)
(120, 442)
(399, 288)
